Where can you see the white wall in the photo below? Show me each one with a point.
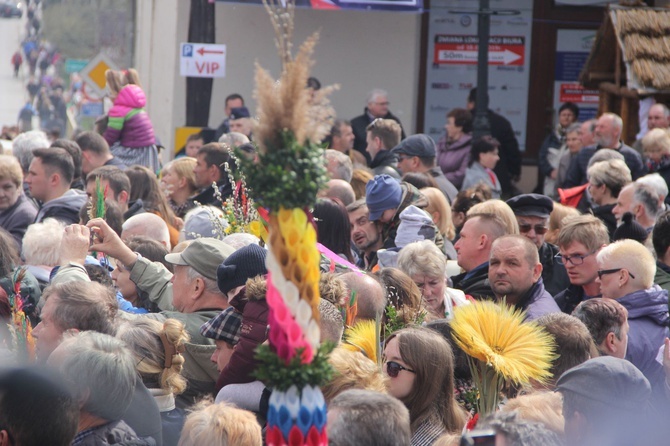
(360, 50)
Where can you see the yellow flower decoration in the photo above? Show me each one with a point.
(501, 347)
(497, 335)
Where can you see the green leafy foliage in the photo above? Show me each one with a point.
(275, 373)
(289, 176)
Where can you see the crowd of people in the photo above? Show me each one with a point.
(146, 291)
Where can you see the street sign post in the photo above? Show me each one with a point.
(202, 60)
(94, 73)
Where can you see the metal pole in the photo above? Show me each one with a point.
(481, 121)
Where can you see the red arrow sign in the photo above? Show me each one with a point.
(202, 51)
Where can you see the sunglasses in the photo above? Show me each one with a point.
(539, 229)
(393, 368)
(602, 272)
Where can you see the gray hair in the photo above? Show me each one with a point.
(101, 369)
(521, 433)
(240, 239)
(356, 205)
(344, 169)
(575, 127)
(604, 155)
(210, 284)
(149, 225)
(375, 93)
(369, 418)
(616, 120)
(613, 173)
(370, 293)
(656, 182)
(84, 306)
(41, 243)
(666, 110)
(647, 196)
(234, 139)
(24, 144)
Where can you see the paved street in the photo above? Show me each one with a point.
(12, 91)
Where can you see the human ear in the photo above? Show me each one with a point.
(4, 438)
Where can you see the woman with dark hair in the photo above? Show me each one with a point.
(420, 365)
(333, 228)
(144, 186)
(483, 159)
(453, 149)
(464, 201)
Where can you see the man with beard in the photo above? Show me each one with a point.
(607, 136)
(365, 234)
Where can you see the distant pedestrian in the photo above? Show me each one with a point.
(17, 60)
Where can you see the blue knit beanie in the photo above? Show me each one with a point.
(382, 193)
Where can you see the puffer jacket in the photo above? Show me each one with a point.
(453, 158)
(129, 122)
(410, 196)
(648, 320)
(250, 301)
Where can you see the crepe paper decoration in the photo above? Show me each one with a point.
(20, 328)
(338, 260)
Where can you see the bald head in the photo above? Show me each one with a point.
(148, 225)
(369, 294)
(339, 191)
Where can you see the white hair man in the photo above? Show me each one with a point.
(101, 373)
(607, 136)
(642, 201)
(339, 165)
(357, 417)
(24, 144)
(377, 107)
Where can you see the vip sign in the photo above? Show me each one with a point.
(203, 60)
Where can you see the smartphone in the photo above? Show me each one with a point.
(479, 437)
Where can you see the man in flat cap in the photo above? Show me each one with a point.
(240, 121)
(416, 153)
(605, 402)
(532, 213)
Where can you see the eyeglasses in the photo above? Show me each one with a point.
(602, 272)
(539, 229)
(576, 260)
(393, 368)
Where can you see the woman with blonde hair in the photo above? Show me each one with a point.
(556, 218)
(359, 180)
(178, 184)
(352, 370)
(157, 349)
(656, 146)
(440, 209)
(420, 366)
(220, 425)
(499, 208)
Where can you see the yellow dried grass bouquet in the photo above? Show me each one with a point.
(501, 348)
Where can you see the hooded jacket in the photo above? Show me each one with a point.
(648, 320)
(129, 122)
(64, 208)
(410, 196)
(453, 157)
(253, 332)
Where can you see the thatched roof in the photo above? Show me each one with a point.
(642, 34)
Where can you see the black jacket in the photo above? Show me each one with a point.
(359, 125)
(385, 162)
(569, 298)
(510, 157)
(207, 196)
(554, 276)
(477, 286)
